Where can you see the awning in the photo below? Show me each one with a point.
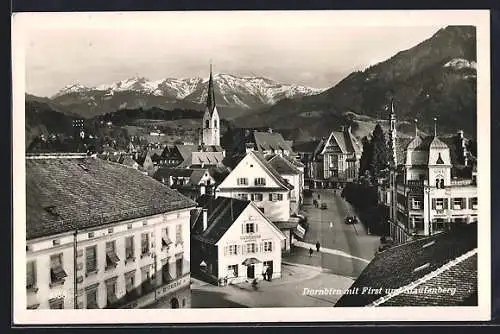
(299, 232)
(250, 261)
(58, 273)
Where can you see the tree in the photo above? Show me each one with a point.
(379, 161)
(366, 156)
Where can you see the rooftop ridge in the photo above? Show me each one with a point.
(424, 279)
(55, 155)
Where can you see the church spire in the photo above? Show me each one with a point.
(211, 93)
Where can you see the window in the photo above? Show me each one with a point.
(146, 277)
(165, 240)
(178, 234)
(233, 250)
(57, 273)
(130, 281)
(442, 183)
(439, 204)
(91, 259)
(129, 249)
(275, 197)
(260, 181)
(243, 197)
(129, 226)
(250, 228)
(144, 244)
(178, 267)
(251, 248)
(473, 203)
(232, 270)
(111, 291)
(111, 258)
(56, 242)
(458, 203)
(268, 246)
(31, 275)
(242, 181)
(261, 210)
(91, 296)
(207, 124)
(110, 230)
(215, 123)
(56, 304)
(418, 224)
(416, 204)
(91, 235)
(256, 197)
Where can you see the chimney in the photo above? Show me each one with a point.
(205, 219)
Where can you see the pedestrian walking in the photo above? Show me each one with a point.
(310, 251)
(269, 274)
(317, 246)
(264, 272)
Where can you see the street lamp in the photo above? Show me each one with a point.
(427, 191)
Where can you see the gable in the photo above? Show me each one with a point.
(251, 214)
(250, 167)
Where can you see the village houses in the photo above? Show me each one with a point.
(96, 238)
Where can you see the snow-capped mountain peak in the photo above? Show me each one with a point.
(231, 90)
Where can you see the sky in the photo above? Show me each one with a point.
(315, 49)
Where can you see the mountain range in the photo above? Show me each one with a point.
(234, 95)
(436, 78)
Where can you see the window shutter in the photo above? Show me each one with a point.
(242, 228)
(261, 246)
(238, 249)
(470, 203)
(433, 204)
(445, 204)
(243, 249)
(225, 250)
(256, 227)
(270, 197)
(463, 204)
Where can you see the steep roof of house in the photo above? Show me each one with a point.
(222, 213)
(282, 165)
(407, 263)
(199, 158)
(88, 192)
(273, 172)
(197, 175)
(165, 172)
(265, 141)
(461, 276)
(186, 150)
(306, 147)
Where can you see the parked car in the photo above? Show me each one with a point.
(324, 206)
(351, 220)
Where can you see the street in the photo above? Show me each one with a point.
(338, 238)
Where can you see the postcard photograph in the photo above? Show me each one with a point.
(181, 167)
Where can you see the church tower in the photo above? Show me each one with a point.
(393, 133)
(211, 122)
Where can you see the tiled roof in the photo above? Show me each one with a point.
(462, 277)
(273, 172)
(282, 166)
(295, 162)
(401, 145)
(203, 158)
(166, 172)
(196, 176)
(270, 141)
(222, 213)
(90, 192)
(306, 147)
(186, 150)
(218, 173)
(397, 266)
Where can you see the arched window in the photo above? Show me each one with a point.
(215, 123)
(442, 183)
(207, 124)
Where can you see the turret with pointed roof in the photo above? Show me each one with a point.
(210, 133)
